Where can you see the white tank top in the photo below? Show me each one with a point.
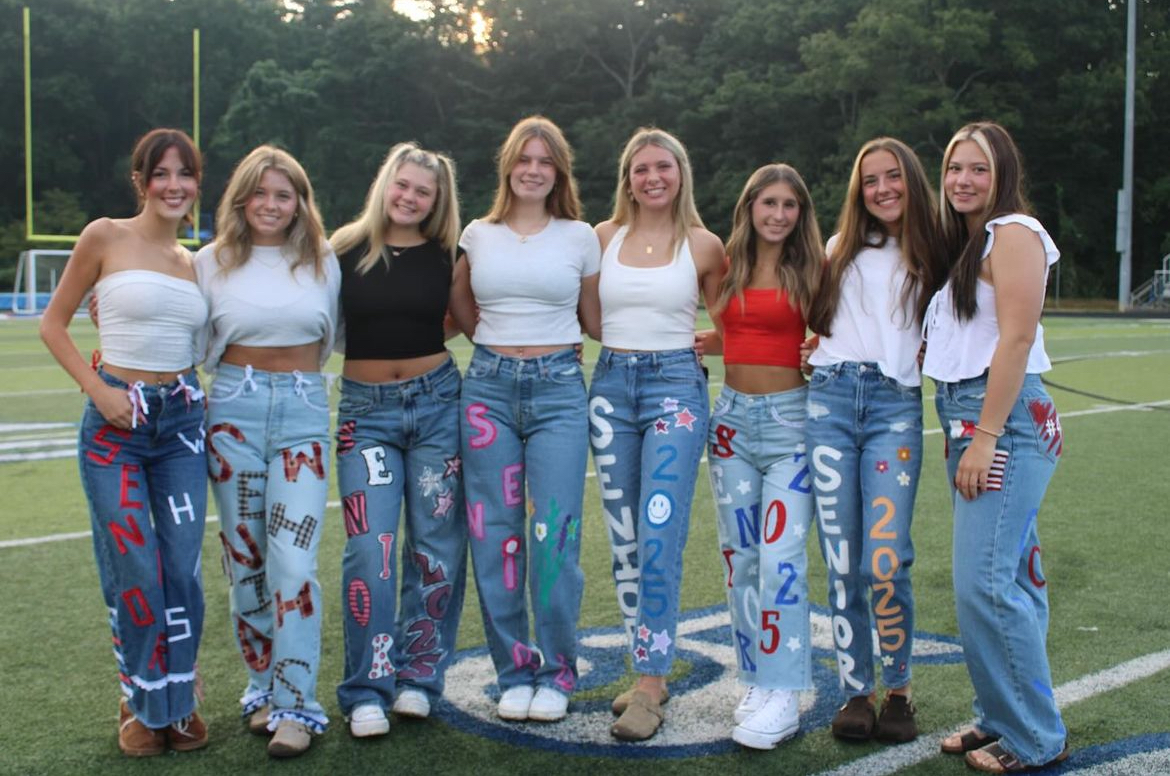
(648, 308)
(150, 320)
(959, 350)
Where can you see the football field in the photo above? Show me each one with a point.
(1106, 561)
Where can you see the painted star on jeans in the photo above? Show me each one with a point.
(887, 660)
(643, 633)
(744, 487)
(661, 642)
(661, 426)
(798, 529)
(443, 504)
(641, 655)
(669, 405)
(685, 418)
(904, 480)
(429, 481)
(793, 643)
(453, 466)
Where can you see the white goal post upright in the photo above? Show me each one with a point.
(37, 273)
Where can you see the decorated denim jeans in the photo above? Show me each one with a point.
(1001, 593)
(147, 493)
(398, 455)
(763, 497)
(268, 457)
(648, 414)
(525, 442)
(864, 436)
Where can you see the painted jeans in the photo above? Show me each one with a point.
(268, 457)
(398, 447)
(763, 496)
(648, 415)
(147, 493)
(524, 431)
(1001, 595)
(864, 435)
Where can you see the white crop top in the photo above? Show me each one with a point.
(648, 308)
(959, 350)
(871, 324)
(150, 321)
(262, 304)
(527, 288)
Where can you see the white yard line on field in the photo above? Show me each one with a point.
(898, 757)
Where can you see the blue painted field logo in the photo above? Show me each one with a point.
(695, 723)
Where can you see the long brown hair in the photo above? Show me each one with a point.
(562, 201)
(964, 247)
(305, 239)
(920, 241)
(801, 256)
(148, 152)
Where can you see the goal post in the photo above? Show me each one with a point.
(37, 272)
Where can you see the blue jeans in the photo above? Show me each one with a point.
(398, 446)
(268, 457)
(864, 434)
(648, 413)
(147, 493)
(1001, 594)
(763, 496)
(523, 431)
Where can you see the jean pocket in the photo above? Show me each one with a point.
(354, 405)
(788, 418)
(566, 374)
(680, 372)
(969, 399)
(448, 389)
(722, 405)
(821, 377)
(1042, 416)
(478, 370)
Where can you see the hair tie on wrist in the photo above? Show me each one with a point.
(988, 431)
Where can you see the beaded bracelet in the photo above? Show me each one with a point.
(988, 431)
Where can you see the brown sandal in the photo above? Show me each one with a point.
(1006, 762)
(969, 739)
(640, 720)
(623, 700)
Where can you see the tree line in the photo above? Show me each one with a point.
(741, 82)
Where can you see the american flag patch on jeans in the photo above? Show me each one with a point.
(995, 474)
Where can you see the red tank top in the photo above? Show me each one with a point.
(769, 332)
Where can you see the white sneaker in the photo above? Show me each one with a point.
(778, 719)
(752, 700)
(548, 705)
(412, 703)
(368, 720)
(514, 703)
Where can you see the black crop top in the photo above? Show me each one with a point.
(396, 311)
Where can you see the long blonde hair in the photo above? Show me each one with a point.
(684, 215)
(562, 201)
(920, 241)
(370, 228)
(305, 236)
(801, 256)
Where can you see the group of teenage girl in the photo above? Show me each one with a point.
(431, 463)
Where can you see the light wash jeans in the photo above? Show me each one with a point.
(147, 493)
(398, 448)
(864, 436)
(525, 443)
(268, 457)
(763, 497)
(648, 413)
(1001, 593)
